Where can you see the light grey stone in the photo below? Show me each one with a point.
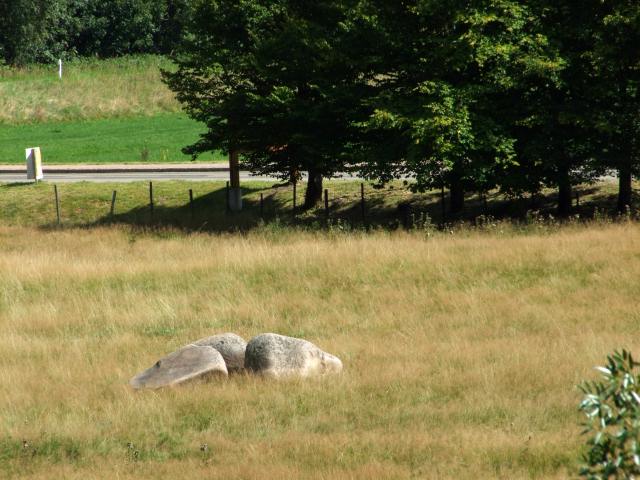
(278, 356)
(189, 363)
(230, 346)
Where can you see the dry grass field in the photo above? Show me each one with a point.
(461, 352)
(89, 89)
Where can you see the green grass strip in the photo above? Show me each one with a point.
(158, 138)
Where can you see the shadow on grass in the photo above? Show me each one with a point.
(209, 213)
(389, 208)
(206, 213)
(12, 185)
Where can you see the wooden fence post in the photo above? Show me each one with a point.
(326, 202)
(362, 204)
(294, 197)
(444, 205)
(112, 211)
(55, 191)
(151, 199)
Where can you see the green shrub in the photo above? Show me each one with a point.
(612, 408)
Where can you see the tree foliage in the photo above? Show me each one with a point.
(32, 30)
(616, 90)
(114, 28)
(612, 410)
(271, 79)
(44, 30)
(447, 91)
(468, 95)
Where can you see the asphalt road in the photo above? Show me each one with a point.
(137, 176)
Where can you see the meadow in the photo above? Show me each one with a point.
(462, 344)
(462, 351)
(153, 139)
(101, 111)
(89, 89)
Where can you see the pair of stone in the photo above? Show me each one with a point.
(268, 354)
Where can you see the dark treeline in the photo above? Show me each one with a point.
(467, 95)
(34, 31)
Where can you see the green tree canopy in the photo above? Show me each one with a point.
(449, 78)
(40, 31)
(32, 30)
(274, 80)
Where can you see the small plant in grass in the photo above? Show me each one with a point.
(206, 453)
(612, 408)
(133, 455)
(144, 153)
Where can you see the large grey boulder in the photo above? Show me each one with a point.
(230, 346)
(192, 362)
(278, 356)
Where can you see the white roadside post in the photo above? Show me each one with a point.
(34, 164)
(60, 68)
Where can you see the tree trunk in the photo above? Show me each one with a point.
(314, 189)
(624, 190)
(456, 194)
(564, 194)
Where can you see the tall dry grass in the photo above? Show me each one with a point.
(89, 89)
(461, 354)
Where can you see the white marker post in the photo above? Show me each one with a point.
(34, 164)
(60, 68)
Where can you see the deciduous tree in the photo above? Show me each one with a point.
(273, 79)
(616, 91)
(448, 78)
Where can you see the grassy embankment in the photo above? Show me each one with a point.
(87, 204)
(461, 352)
(101, 111)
